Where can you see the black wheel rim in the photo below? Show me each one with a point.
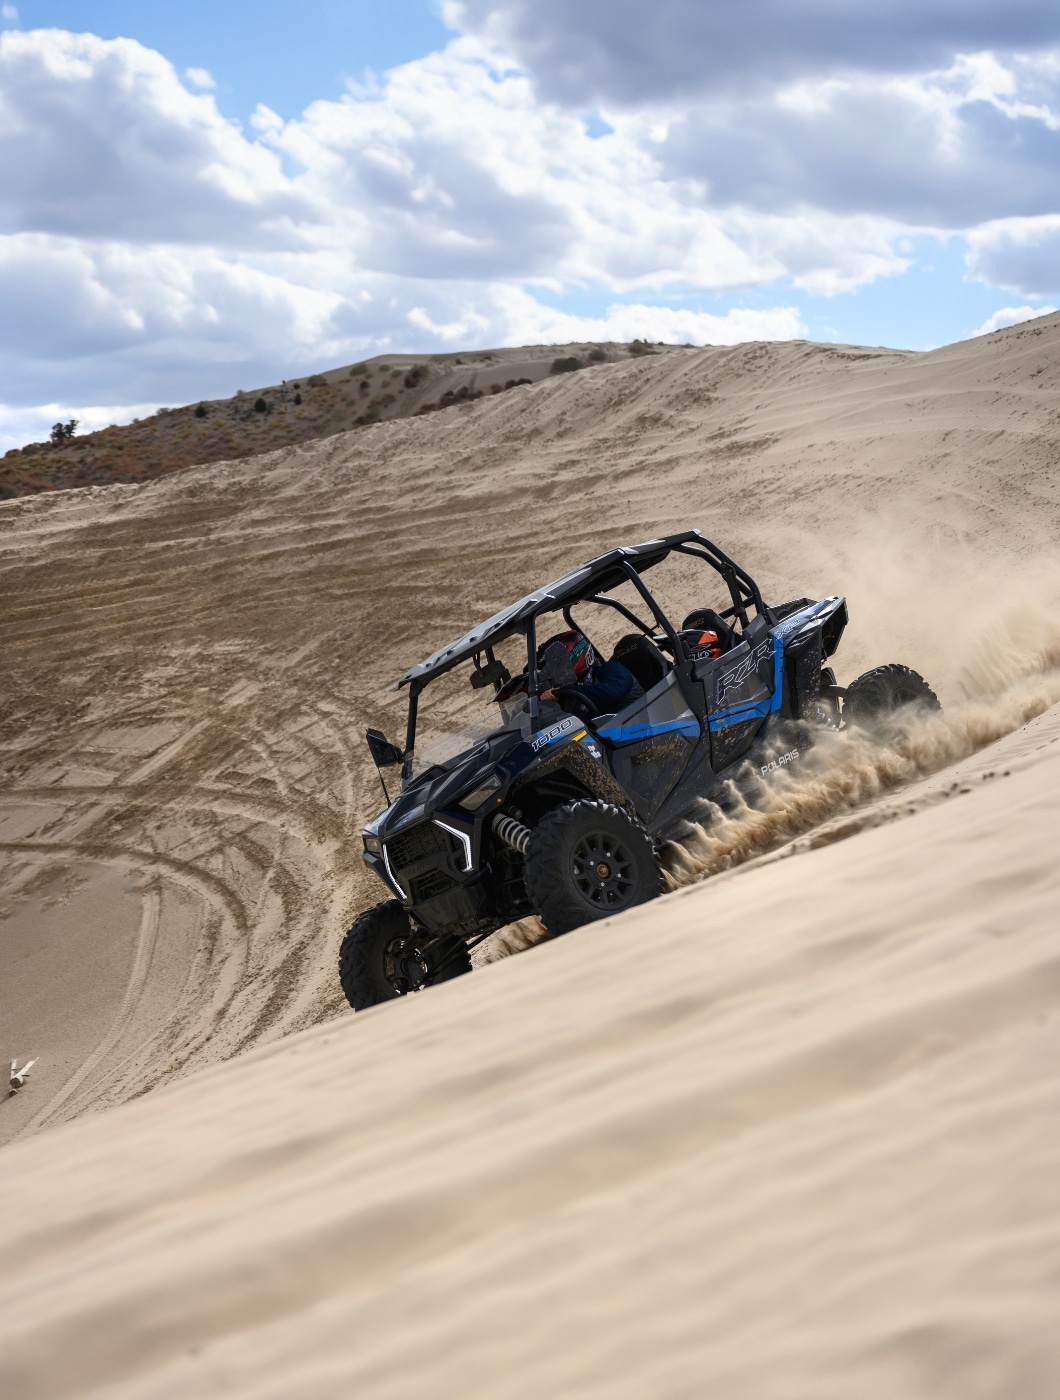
(603, 871)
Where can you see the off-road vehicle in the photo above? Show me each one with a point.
(547, 807)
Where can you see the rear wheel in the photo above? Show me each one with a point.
(587, 860)
(881, 696)
(383, 956)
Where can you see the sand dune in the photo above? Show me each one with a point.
(789, 1131)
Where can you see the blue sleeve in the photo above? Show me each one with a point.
(611, 684)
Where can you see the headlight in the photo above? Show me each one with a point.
(478, 795)
(373, 844)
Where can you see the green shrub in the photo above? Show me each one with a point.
(63, 432)
(359, 370)
(298, 398)
(260, 406)
(200, 412)
(596, 355)
(566, 365)
(640, 347)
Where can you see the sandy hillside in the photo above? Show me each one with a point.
(296, 410)
(787, 1132)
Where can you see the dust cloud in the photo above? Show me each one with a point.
(1002, 668)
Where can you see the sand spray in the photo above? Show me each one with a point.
(1004, 668)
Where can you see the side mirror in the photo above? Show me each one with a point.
(384, 753)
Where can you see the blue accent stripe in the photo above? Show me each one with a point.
(740, 714)
(629, 733)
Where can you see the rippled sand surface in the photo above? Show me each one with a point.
(790, 1131)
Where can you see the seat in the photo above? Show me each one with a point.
(641, 656)
(707, 620)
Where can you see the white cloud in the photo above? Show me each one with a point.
(978, 140)
(200, 77)
(1010, 316)
(101, 138)
(624, 54)
(153, 250)
(530, 323)
(1022, 255)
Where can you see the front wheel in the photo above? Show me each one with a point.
(881, 696)
(588, 860)
(383, 956)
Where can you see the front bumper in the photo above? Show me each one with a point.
(432, 868)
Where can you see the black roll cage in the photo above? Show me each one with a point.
(606, 572)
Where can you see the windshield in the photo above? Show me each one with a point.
(442, 751)
(453, 716)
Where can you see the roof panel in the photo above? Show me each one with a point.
(604, 572)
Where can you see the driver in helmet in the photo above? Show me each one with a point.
(607, 685)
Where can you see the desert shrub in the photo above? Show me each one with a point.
(358, 370)
(63, 432)
(415, 375)
(298, 398)
(317, 381)
(640, 347)
(565, 365)
(496, 388)
(596, 355)
(384, 369)
(200, 412)
(260, 406)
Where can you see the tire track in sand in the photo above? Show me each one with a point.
(145, 948)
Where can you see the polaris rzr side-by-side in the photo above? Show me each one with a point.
(551, 803)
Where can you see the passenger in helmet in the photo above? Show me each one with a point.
(607, 685)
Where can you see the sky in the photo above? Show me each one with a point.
(205, 197)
